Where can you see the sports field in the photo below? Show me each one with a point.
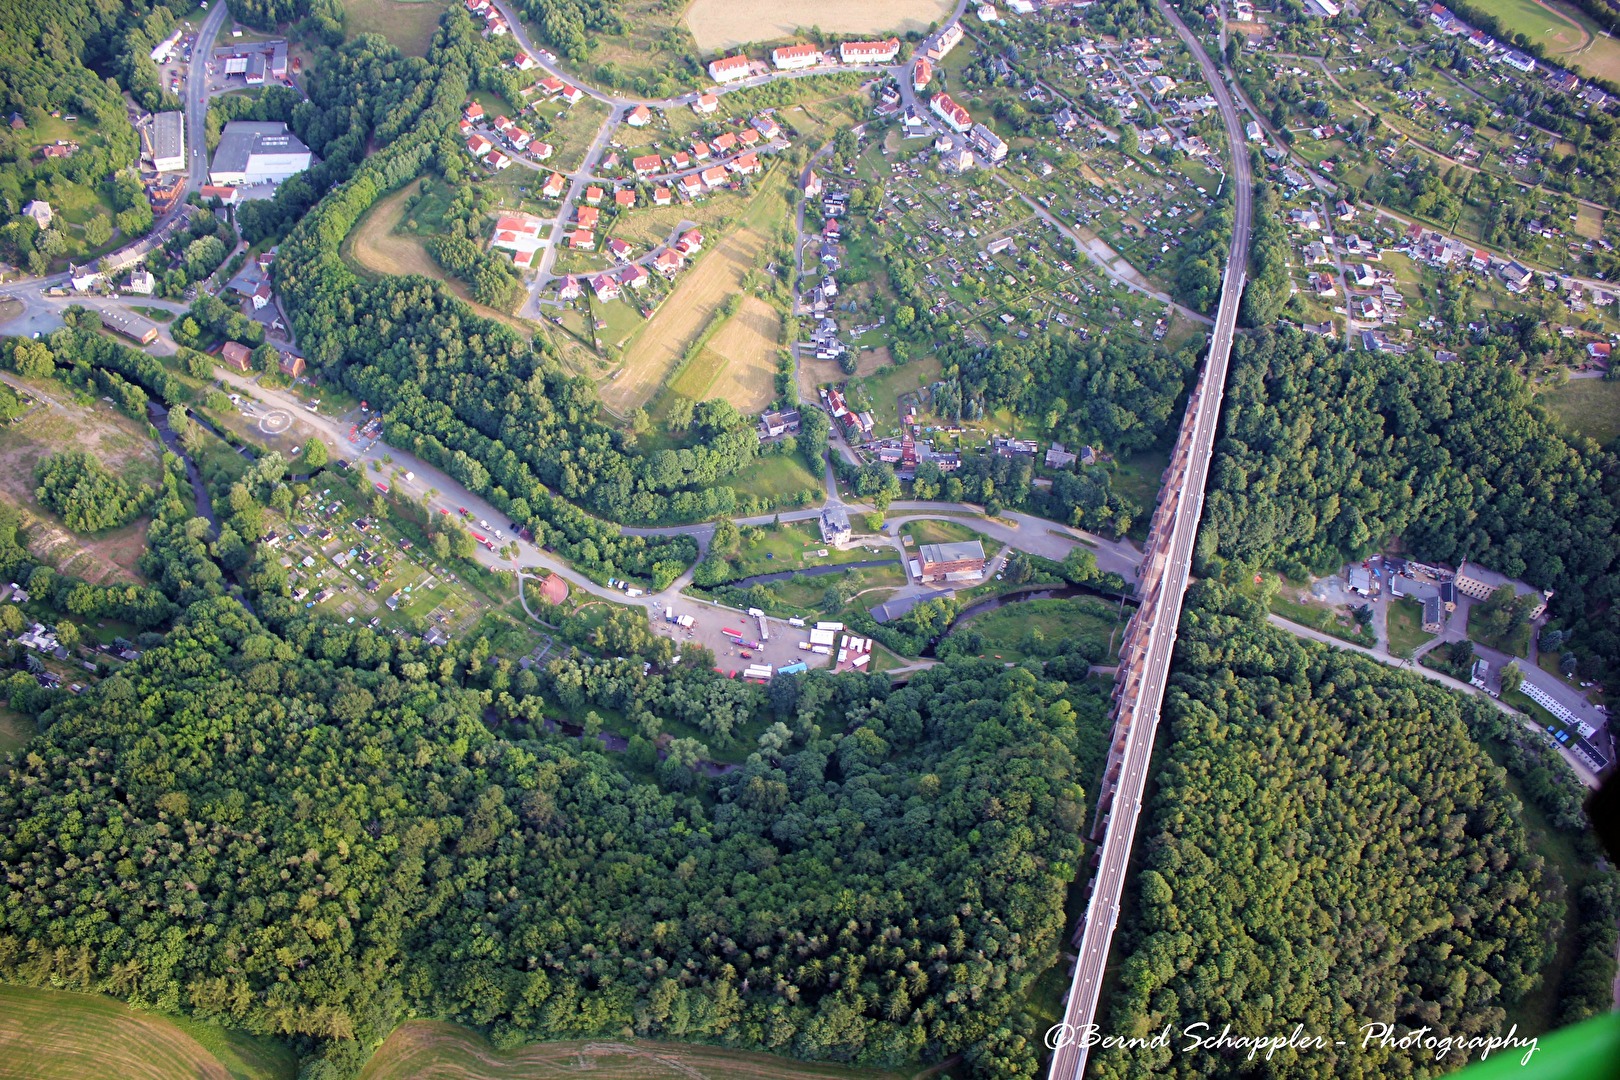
(56, 1035)
(720, 24)
(688, 311)
(377, 245)
(738, 364)
(423, 1050)
(1565, 32)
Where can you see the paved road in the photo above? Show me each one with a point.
(202, 53)
(1164, 579)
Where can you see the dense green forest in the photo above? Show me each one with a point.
(1326, 455)
(1330, 846)
(75, 485)
(286, 834)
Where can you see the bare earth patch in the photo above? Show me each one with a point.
(721, 24)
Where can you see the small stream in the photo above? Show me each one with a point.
(205, 506)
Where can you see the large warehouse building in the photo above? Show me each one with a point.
(169, 142)
(257, 152)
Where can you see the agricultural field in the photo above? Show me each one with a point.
(738, 362)
(56, 1035)
(660, 344)
(60, 418)
(408, 24)
(1589, 406)
(378, 246)
(723, 24)
(424, 1050)
(1027, 629)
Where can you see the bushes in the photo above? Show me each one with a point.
(84, 494)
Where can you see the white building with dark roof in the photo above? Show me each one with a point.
(258, 152)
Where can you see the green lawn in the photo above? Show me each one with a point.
(1516, 644)
(884, 389)
(1406, 631)
(408, 24)
(795, 546)
(1036, 628)
(1589, 406)
(15, 730)
(776, 476)
(947, 532)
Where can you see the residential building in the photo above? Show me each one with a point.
(292, 365)
(257, 152)
(582, 240)
(169, 142)
(812, 185)
(729, 69)
(794, 57)
(949, 562)
(773, 425)
(41, 212)
(568, 287)
(948, 39)
(237, 355)
(921, 73)
(605, 287)
(640, 116)
(141, 283)
(669, 262)
(662, 196)
(593, 195)
(647, 164)
(624, 198)
(618, 249)
(519, 234)
(834, 522)
(956, 117)
(706, 105)
(587, 217)
(634, 276)
(869, 52)
(987, 144)
(1059, 458)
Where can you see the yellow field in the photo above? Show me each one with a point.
(739, 364)
(375, 246)
(688, 310)
(55, 1035)
(423, 1050)
(721, 24)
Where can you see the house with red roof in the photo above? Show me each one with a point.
(572, 94)
(729, 69)
(593, 195)
(551, 86)
(624, 198)
(956, 117)
(746, 164)
(618, 249)
(706, 105)
(749, 138)
(647, 164)
(540, 151)
(700, 150)
(640, 116)
(812, 185)
(725, 144)
(478, 146)
(568, 287)
(473, 111)
(497, 160)
(605, 287)
(554, 186)
(662, 196)
(795, 57)
(692, 185)
(519, 234)
(869, 52)
(587, 216)
(681, 160)
(668, 262)
(582, 240)
(634, 276)
(767, 127)
(921, 74)
(714, 176)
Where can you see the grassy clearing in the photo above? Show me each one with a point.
(15, 730)
(721, 24)
(1589, 406)
(936, 531)
(55, 1035)
(795, 546)
(377, 246)
(683, 317)
(776, 477)
(884, 389)
(408, 24)
(573, 129)
(57, 420)
(1406, 633)
(422, 1050)
(9, 309)
(1031, 628)
(1515, 644)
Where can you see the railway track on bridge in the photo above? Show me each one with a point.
(1150, 637)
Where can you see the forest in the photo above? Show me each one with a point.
(1326, 456)
(1330, 846)
(264, 830)
(88, 498)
